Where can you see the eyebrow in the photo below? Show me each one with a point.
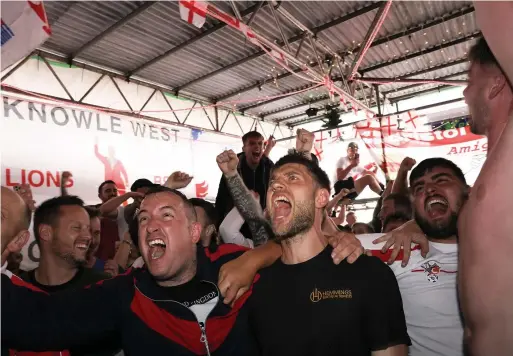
(161, 208)
(435, 176)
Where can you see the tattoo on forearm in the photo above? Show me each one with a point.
(250, 210)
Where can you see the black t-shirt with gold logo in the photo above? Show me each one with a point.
(319, 308)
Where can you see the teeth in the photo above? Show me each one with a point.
(280, 198)
(82, 245)
(155, 242)
(437, 201)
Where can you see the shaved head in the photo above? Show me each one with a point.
(15, 216)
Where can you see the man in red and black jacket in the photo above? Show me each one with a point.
(171, 306)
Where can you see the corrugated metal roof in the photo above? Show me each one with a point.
(159, 29)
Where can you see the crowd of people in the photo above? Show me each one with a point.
(277, 266)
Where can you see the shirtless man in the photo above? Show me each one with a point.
(485, 279)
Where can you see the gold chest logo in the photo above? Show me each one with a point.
(318, 295)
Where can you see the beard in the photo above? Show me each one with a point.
(302, 220)
(68, 256)
(439, 230)
(478, 117)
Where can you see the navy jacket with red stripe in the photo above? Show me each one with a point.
(130, 306)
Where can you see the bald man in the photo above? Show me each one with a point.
(16, 217)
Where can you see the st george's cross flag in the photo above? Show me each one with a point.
(194, 12)
(24, 27)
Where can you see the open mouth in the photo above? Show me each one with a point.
(157, 248)
(282, 207)
(82, 246)
(256, 155)
(436, 206)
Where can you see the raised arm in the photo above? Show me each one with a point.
(401, 182)
(248, 207)
(65, 178)
(109, 208)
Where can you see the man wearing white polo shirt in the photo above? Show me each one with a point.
(428, 285)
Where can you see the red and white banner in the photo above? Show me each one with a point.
(399, 136)
(194, 12)
(24, 27)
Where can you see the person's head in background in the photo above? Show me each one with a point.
(351, 218)
(107, 190)
(361, 229)
(95, 226)
(488, 94)
(253, 147)
(16, 216)
(62, 229)
(393, 221)
(395, 204)
(352, 150)
(208, 218)
(142, 185)
(438, 190)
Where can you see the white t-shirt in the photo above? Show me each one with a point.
(430, 299)
(355, 172)
(120, 220)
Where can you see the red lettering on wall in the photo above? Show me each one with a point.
(35, 178)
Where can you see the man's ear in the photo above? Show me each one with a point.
(45, 232)
(322, 198)
(499, 81)
(19, 241)
(195, 231)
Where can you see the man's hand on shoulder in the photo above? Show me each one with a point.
(345, 246)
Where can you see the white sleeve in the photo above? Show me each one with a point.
(341, 163)
(122, 225)
(138, 263)
(366, 240)
(230, 229)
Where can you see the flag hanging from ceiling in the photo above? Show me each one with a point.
(194, 12)
(24, 27)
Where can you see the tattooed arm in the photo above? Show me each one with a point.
(249, 208)
(245, 203)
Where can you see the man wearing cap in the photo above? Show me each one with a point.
(350, 175)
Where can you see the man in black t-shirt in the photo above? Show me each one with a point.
(303, 304)
(62, 230)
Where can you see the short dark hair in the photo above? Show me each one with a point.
(319, 176)
(162, 189)
(482, 54)
(429, 164)
(210, 209)
(251, 134)
(400, 200)
(48, 212)
(92, 212)
(133, 231)
(106, 182)
(142, 183)
(397, 216)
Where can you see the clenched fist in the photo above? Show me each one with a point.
(304, 140)
(407, 164)
(228, 162)
(178, 180)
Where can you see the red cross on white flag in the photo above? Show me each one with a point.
(194, 12)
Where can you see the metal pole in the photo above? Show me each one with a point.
(376, 88)
(369, 37)
(283, 37)
(322, 130)
(300, 47)
(235, 10)
(319, 61)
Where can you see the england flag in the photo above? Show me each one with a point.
(194, 12)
